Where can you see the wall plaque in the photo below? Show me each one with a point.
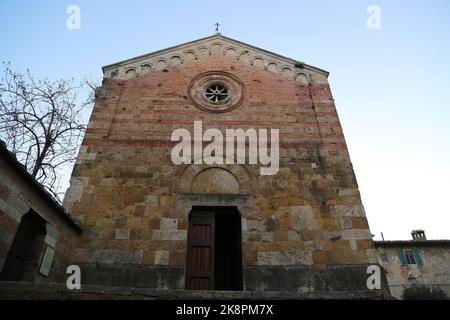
(46, 261)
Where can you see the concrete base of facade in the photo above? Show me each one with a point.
(299, 279)
(57, 291)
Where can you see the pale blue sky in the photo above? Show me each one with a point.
(392, 86)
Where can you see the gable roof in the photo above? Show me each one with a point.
(197, 49)
(409, 243)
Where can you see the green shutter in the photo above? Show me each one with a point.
(417, 256)
(402, 257)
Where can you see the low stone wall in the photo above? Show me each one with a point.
(133, 275)
(300, 279)
(296, 279)
(30, 291)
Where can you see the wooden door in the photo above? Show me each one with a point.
(200, 253)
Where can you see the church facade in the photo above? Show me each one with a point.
(166, 201)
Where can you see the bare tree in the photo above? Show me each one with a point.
(42, 122)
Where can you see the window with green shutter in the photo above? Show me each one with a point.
(410, 256)
(417, 256)
(401, 254)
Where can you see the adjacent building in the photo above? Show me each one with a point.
(415, 262)
(37, 237)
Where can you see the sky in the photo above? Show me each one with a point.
(391, 83)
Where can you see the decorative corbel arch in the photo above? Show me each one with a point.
(258, 61)
(230, 51)
(287, 71)
(302, 78)
(130, 73)
(273, 67)
(161, 64)
(217, 45)
(242, 53)
(190, 55)
(208, 49)
(146, 67)
(176, 57)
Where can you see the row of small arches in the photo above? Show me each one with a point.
(242, 55)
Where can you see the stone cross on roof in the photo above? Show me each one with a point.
(217, 27)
